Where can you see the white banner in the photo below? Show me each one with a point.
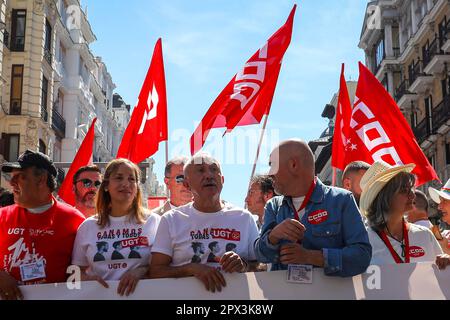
(392, 282)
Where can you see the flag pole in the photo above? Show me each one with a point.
(333, 183)
(259, 148)
(167, 151)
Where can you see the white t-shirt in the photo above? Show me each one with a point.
(111, 251)
(424, 223)
(297, 202)
(190, 236)
(423, 246)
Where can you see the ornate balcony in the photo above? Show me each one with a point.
(441, 116)
(58, 123)
(418, 79)
(422, 130)
(434, 58)
(403, 96)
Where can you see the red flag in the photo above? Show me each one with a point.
(148, 123)
(248, 96)
(342, 125)
(379, 131)
(82, 158)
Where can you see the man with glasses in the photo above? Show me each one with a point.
(86, 183)
(178, 194)
(37, 232)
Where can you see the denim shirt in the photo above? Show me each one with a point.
(341, 236)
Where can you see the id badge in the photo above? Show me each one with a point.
(32, 271)
(299, 273)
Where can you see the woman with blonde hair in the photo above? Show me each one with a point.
(115, 244)
(387, 194)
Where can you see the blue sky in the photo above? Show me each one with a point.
(206, 42)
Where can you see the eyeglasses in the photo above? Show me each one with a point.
(87, 183)
(179, 178)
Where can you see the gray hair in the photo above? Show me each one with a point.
(378, 213)
(201, 158)
(265, 183)
(51, 180)
(175, 161)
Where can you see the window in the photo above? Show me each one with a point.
(48, 42)
(385, 82)
(15, 106)
(429, 113)
(444, 87)
(414, 119)
(10, 146)
(18, 22)
(447, 153)
(42, 147)
(432, 160)
(379, 54)
(44, 95)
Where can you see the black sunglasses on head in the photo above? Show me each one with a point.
(87, 183)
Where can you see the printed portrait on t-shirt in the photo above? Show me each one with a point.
(199, 250)
(214, 249)
(102, 247)
(230, 246)
(134, 254)
(116, 255)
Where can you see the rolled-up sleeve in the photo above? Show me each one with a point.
(354, 257)
(266, 252)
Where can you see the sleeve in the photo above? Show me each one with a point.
(163, 239)
(354, 257)
(80, 246)
(252, 236)
(437, 249)
(151, 227)
(264, 251)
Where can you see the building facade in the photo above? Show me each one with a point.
(407, 47)
(52, 85)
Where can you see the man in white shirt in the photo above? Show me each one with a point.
(178, 194)
(207, 227)
(419, 214)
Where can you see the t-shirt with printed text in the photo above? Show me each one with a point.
(423, 246)
(111, 251)
(37, 247)
(190, 236)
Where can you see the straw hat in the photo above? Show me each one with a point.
(378, 175)
(444, 192)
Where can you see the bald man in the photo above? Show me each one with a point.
(310, 224)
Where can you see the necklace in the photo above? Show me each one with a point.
(402, 242)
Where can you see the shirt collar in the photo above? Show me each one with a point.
(316, 196)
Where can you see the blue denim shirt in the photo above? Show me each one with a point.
(342, 237)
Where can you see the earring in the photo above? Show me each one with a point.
(106, 190)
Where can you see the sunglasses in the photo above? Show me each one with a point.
(178, 179)
(87, 183)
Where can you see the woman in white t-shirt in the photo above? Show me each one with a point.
(387, 193)
(115, 244)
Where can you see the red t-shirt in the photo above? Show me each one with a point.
(27, 238)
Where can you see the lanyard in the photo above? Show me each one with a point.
(306, 200)
(388, 244)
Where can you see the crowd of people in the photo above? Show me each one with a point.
(292, 218)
